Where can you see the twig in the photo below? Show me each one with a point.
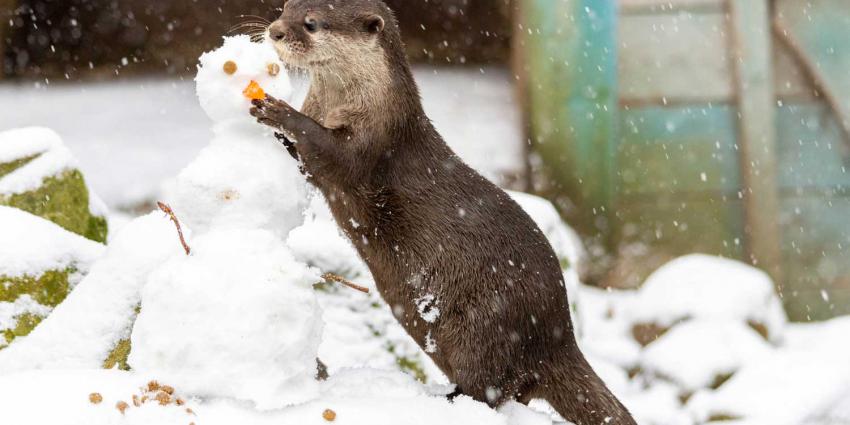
(168, 211)
(339, 279)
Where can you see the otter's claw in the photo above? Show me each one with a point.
(273, 112)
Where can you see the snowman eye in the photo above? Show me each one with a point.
(230, 67)
(273, 69)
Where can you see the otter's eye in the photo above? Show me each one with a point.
(311, 25)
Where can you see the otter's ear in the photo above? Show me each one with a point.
(373, 24)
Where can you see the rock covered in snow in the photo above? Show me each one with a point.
(244, 177)
(712, 288)
(238, 318)
(38, 174)
(703, 353)
(83, 330)
(40, 263)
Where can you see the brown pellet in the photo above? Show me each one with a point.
(95, 398)
(230, 67)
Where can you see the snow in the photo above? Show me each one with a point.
(697, 353)
(699, 286)
(32, 245)
(52, 158)
(98, 313)
(391, 398)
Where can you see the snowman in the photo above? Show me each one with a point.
(237, 318)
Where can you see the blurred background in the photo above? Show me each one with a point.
(658, 128)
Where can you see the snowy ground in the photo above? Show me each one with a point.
(130, 136)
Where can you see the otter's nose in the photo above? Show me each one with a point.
(277, 31)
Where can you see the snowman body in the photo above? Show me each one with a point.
(237, 318)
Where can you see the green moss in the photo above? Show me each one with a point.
(118, 356)
(408, 365)
(49, 289)
(8, 167)
(722, 417)
(64, 200)
(25, 324)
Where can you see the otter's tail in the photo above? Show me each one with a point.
(580, 396)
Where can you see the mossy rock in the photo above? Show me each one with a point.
(47, 290)
(62, 199)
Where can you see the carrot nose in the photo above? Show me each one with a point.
(254, 91)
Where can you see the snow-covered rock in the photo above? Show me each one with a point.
(703, 353)
(38, 174)
(238, 318)
(711, 288)
(40, 263)
(83, 330)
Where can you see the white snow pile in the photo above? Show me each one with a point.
(29, 247)
(720, 349)
(51, 158)
(99, 312)
(710, 288)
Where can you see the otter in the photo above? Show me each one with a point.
(465, 270)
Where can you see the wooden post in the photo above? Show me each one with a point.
(7, 11)
(757, 126)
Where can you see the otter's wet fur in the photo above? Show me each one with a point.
(466, 271)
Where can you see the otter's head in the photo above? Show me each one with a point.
(315, 34)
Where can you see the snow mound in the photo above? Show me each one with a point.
(54, 397)
(712, 288)
(45, 151)
(82, 330)
(237, 318)
(701, 354)
(31, 245)
(40, 263)
(320, 243)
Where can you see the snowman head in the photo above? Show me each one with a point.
(225, 73)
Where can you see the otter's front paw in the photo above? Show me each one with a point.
(274, 113)
(338, 118)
